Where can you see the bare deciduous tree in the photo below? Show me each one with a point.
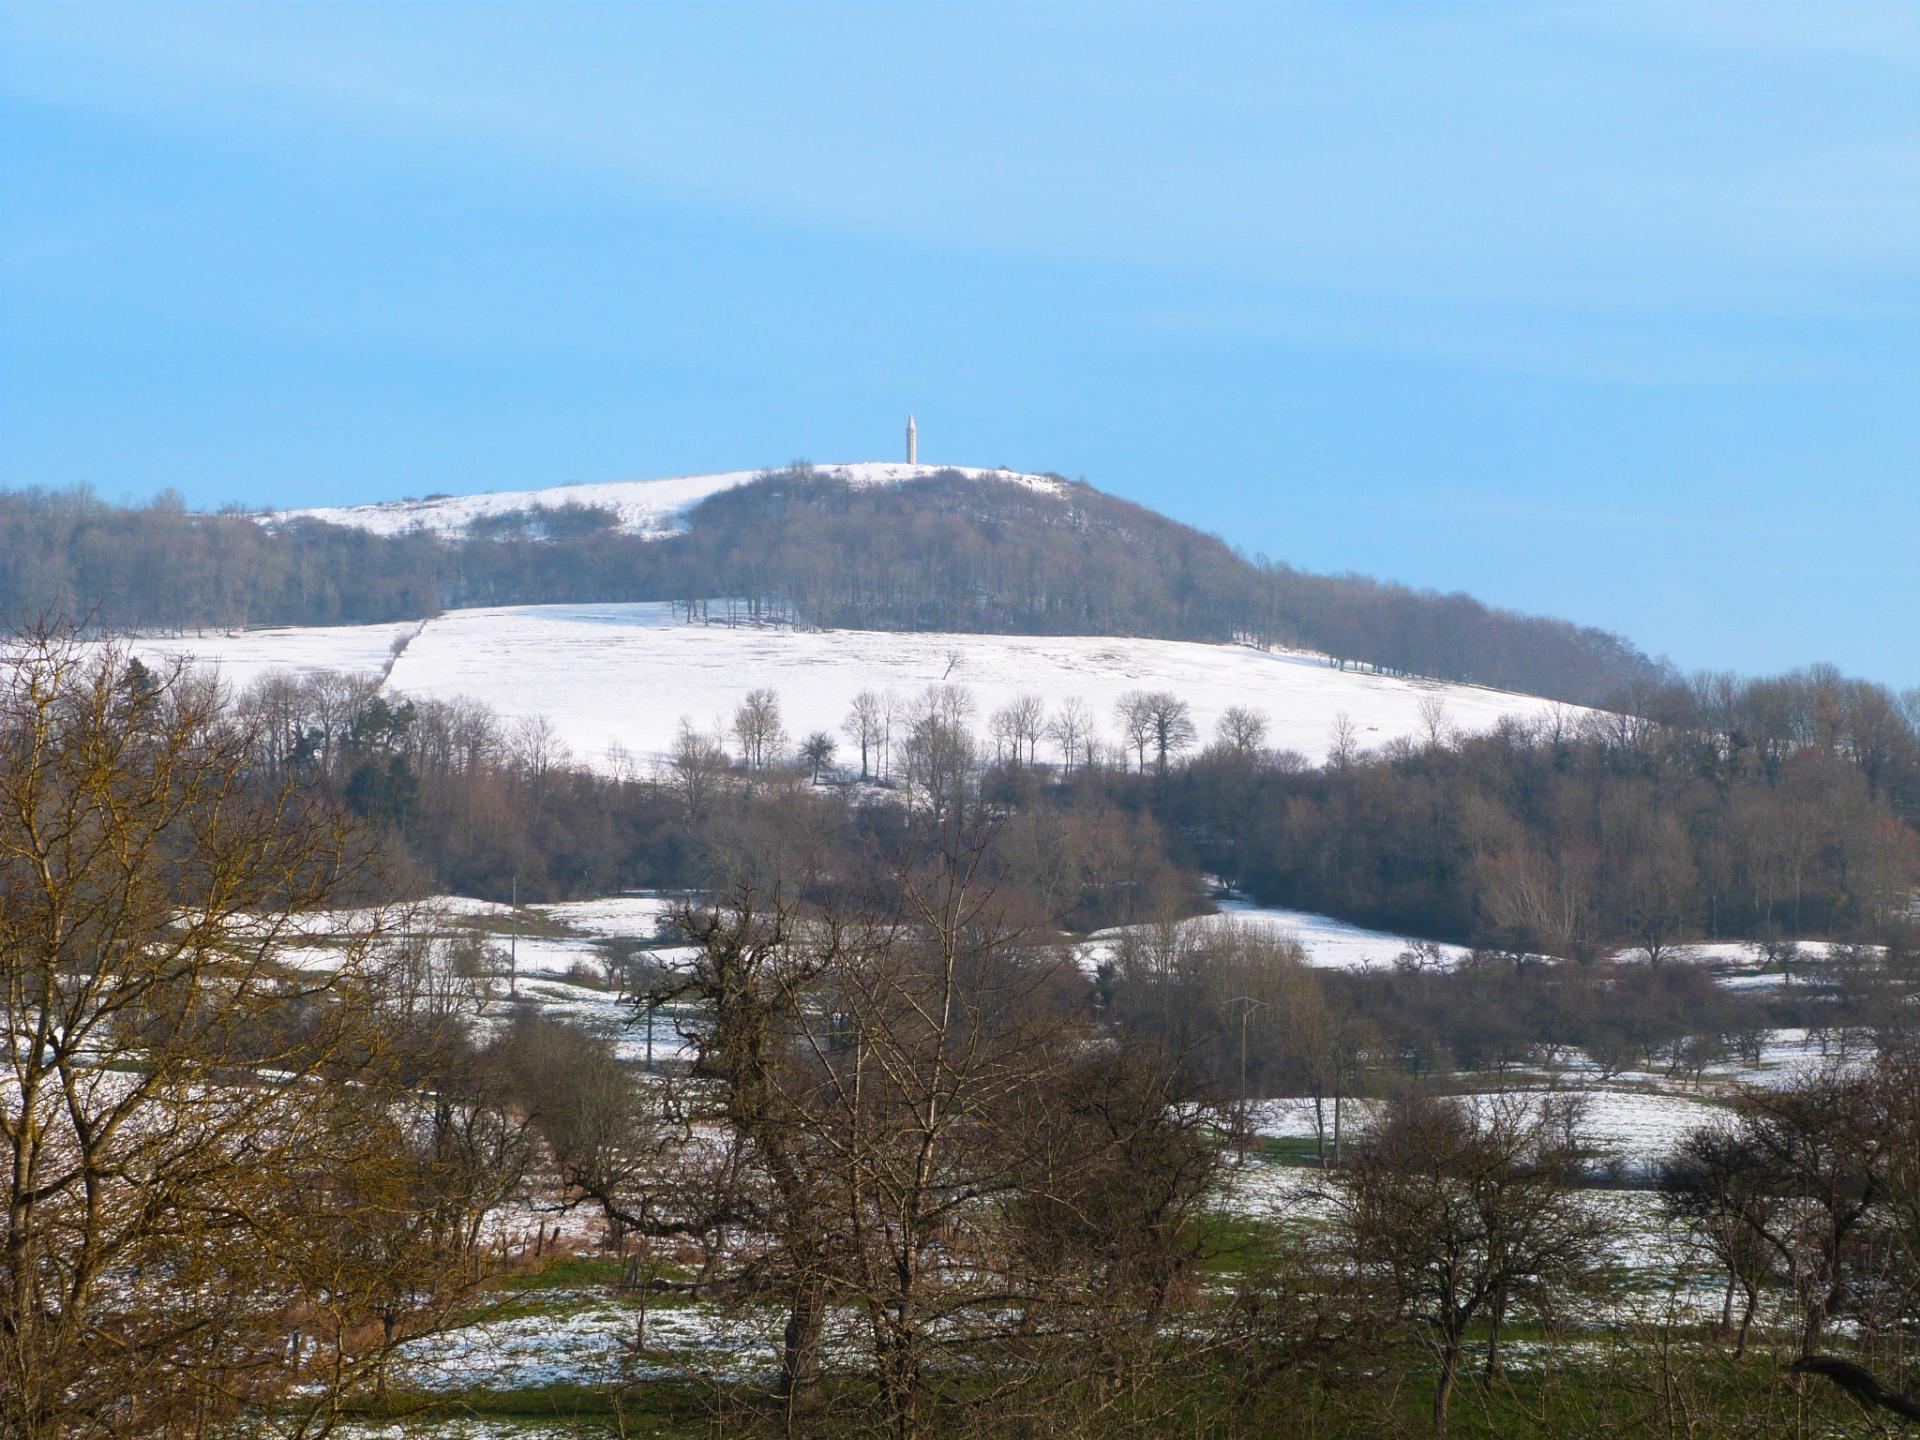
(1133, 711)
(697, 767)
(1071, 728)
(1343, 742)
(535, 747)
(1170, 726)
(758, 728)
(865, 725)
(165, 1080)
(1435, 726)
(1242, 730)
(1467, 1211)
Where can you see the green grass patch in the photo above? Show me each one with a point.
(569, 1272)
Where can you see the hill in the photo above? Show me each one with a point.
(618, 679)
(870, 545)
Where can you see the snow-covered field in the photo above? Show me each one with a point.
(244, 656)
(1329, 944)
(620, 677)
(1618, 1123)
(591, 1343)
(644, 507)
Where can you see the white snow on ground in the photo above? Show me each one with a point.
(560, 975)
(1329, 944)
(625, 674)
(1623, 1124)
(1631, 1125)
(644, 507)
(611, 917)
(243, 656)
(1742, 955)
(590, 1345)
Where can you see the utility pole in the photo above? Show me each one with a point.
(1244, 1128)
(513, 946)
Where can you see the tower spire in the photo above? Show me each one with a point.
(913, 442)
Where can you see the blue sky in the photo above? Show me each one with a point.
(1605, 311)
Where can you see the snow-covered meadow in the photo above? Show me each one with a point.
(1327, 943)
(619, 678)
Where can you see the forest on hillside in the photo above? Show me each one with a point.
(944, 553)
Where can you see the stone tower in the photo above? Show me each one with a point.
(913, 442)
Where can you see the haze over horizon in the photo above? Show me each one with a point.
(1606, 312)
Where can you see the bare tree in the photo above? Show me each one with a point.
(1803, 1175)
(1343, 742)
(1241, 730)
(865, 725)
(1134, 713)
(1003, 730)
(1718, 1189)
(940, 754)
(1071, 728)
(1655, 887)
(1029, 724)
(1435, 726)
(1170, 726)
(535, 747)
(1467, 1211)
(889, 713)
(758, 728)
(168, 1081)
(1543, 904)
(697, 766)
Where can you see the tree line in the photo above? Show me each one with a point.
(1766, 810)
(1779, 807)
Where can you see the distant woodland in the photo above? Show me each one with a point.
(946, 553)
(1782, 807)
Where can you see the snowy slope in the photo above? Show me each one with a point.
(625, 674)
(1327, 943)
(245, 656)
(645, 507)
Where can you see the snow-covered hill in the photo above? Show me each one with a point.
(644, 507)
(621, 676)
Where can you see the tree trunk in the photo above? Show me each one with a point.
(799, 1389)
(1443, 1392)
